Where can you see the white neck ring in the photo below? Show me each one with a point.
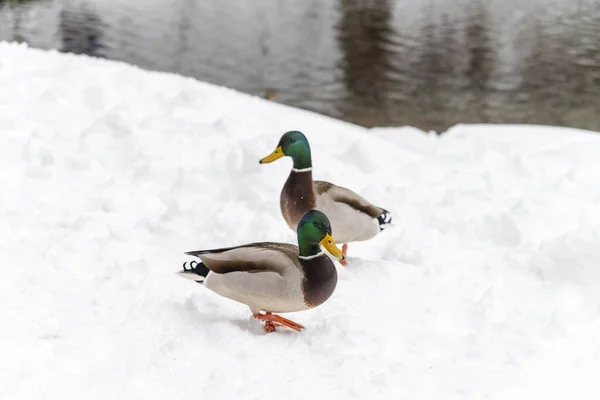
(302, 169)
(311, 257)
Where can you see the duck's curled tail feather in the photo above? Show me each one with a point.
(194, 270)
(385, 219)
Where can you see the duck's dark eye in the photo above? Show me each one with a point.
(292, 140)
(317, 224)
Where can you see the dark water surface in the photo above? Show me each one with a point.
(426, 63)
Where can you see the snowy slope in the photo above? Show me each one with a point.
(488, 287)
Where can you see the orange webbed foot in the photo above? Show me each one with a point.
(272, 321)
(344, 251)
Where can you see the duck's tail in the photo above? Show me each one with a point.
(385, 219)
(195, 271)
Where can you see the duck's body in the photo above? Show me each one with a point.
(352, 217)
(273, 277)
(267, 276)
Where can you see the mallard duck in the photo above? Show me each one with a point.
(273, 277)
(352, 217)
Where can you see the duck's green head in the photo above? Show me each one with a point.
(313, 230)
(292, 144)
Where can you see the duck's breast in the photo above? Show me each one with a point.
(320, 280)
(297, 197)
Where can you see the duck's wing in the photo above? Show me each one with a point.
(347, 196)
(251, 258)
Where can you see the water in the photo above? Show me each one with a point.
(426, 63)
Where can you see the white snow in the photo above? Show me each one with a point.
(488, 286)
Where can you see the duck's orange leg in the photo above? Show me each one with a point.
(344, 250)
(273, 320)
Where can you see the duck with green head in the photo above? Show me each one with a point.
(352, 217)
(273, 277)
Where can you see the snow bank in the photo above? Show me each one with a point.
(488, 287)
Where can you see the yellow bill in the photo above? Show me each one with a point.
(275, 155)
(331, 247)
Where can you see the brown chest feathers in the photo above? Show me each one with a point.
(320, 280)
(297, 197)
